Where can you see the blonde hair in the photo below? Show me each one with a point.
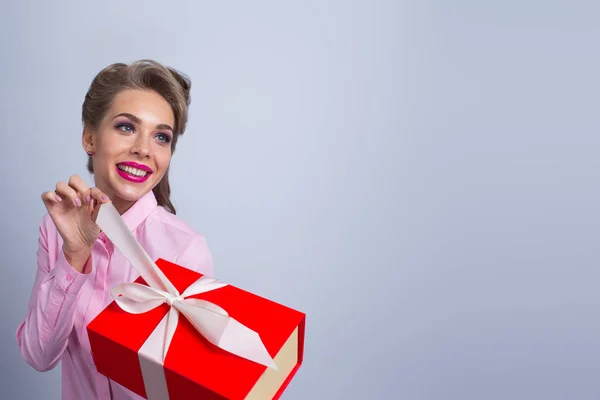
(171, 84)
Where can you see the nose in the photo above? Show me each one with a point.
(141, 146)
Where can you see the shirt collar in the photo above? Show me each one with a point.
(140, 210)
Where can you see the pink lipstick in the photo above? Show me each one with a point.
(132, 171)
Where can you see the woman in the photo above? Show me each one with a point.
(132, 117)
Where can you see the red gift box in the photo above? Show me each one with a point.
(174, 334)
(194, 367)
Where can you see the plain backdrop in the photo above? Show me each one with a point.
(419, 177)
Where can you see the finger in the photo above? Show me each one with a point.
(98, 198)
(66, 191)
(80, 187)
(51, 197)
(99, 195)
(95, 210)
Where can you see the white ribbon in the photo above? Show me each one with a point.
(212, 321)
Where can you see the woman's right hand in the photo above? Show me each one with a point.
(73, 207)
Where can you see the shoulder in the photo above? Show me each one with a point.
(171, 223)
(184, 244)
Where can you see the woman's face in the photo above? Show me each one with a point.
(132, 146)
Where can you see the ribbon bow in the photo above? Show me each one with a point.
(212, 321)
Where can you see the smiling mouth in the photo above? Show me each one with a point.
(132, 171)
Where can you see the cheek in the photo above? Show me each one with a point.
(163, 158)
(109, 147)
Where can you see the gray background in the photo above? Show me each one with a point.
(419, 177)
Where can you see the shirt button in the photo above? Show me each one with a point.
(69, 278)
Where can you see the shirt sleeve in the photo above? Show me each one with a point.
(196, 256)
(43, 335)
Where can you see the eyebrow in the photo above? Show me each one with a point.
(139, 121)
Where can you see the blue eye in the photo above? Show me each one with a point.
(125, 127)
(163, 137)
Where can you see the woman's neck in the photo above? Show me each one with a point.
(121, 205)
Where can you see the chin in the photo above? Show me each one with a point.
(133, 191)
(130, 195)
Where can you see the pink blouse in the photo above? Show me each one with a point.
(63, 300)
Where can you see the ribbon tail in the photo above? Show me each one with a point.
(150, 356)
(116, 230)
(172, 321)
(225, 332)
(241, 340)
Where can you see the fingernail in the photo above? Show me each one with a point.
(77, 202)
(104, 197)
(88, 198)
(57, 198)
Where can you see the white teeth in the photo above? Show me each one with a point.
(132, 171)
